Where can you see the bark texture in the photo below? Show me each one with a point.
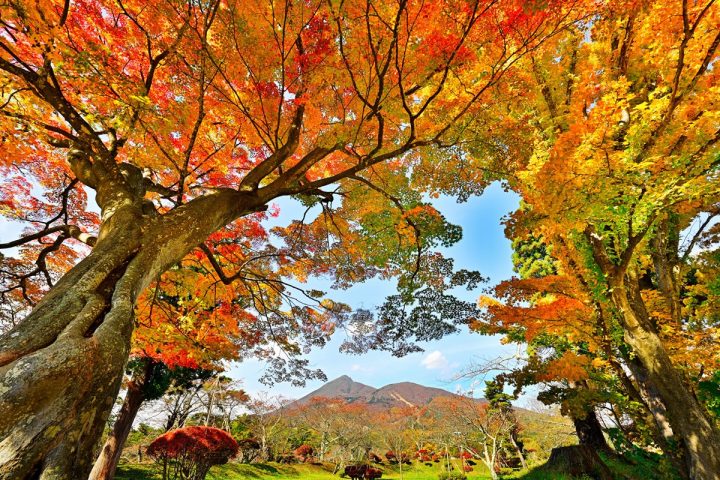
(688, 419)
(577, 460)
(107, 461)
(686, 415)
(61, 368)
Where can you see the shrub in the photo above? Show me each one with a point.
(303, 452)
(452, 476)
(363, 471)
(375, 458)
(188, 453)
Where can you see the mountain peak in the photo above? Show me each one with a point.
(394, 394)
(342, 387)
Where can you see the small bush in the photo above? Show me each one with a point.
(189, 452)
(303, 453)
(452, 476)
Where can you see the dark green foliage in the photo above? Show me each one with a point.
(532, 258)
(161, 377)
(709, 393)
(495, 395)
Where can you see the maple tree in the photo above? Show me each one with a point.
(567, 344)
(621, 158)
(184, 117)
(395, 430)
(575, 350)
(344, 431)
(303, 453)
(267, 423)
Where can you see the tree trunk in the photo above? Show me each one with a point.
(107, 461)
(589, 431)
(576, 460)
(663, 434)
(61, 368)
(490, 459)
(518, 450)
(59, 374)
(686, 415)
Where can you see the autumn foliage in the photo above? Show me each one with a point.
(617, 168)
(185, 122)
(191, 451)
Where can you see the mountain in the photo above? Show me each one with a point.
(342, 387)
(407, 393)
(393, 395)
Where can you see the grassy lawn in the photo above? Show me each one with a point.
(277, 471)
(419, 471)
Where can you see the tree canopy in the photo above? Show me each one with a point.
(144, 145)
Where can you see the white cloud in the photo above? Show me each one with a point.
(360, 368)
(435, 361)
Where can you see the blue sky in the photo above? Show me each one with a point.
(483, 247)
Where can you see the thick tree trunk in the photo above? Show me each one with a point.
(577, 460)
(657, 418)
(686, 415)
(589, 432)
(60, 369)
(107, 461)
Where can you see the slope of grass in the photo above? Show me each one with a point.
(275, 471)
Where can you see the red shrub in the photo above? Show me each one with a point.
(191, 451)
(303, 452)
(362, 472)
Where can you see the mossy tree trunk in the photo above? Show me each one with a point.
(687, 417)
(61, 368)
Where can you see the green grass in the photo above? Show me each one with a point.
(640, 469)
(275, 471)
